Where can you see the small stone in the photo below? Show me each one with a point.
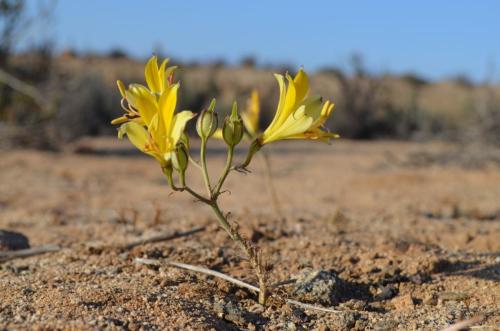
(420, 278)
(386, 293)
(235, 314)
(319, 286)
(28, 291)
(11, 241)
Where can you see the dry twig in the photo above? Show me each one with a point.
(163, 237)
(464, 324)
(6, 256)
(24, 88)
(234, 281)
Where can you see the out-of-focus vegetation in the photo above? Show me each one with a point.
(47, 99)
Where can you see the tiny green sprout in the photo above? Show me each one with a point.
(152, 125)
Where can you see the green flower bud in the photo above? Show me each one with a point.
(180, 157)
(207, 122)
(233, 128)
(167, 171)
(185, 140)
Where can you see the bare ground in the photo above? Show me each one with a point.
(415, 242)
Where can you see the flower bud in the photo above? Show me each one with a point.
(207, 122)
(167, 171)
(233, 128)
(184, 139)
(180, 158)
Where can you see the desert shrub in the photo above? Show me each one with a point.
(87, 106)
(414, 79)
(485, 123)
(248, 61)
(117, 53)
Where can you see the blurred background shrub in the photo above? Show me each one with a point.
(48, 99)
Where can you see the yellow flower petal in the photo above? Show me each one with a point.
(290, 99)
(121, 88)
(136, 133)
(140, 98)
(140, 138)
(167, 104)
(301, 84)
(161, 75)
(152, 77)
(250, 116)
(179, 124)
(218, 134)
(281, 103)
(295, 124)
(313, 107)
(120, 120)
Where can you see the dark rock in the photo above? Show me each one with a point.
(318, 286)
(386, 293)
(11, 241)
(420, 278)
(235, 314)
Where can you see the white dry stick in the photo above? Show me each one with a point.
(235, 281)
(464, 324)
(164, 237)
(5, 256)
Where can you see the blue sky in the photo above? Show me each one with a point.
(433, 38)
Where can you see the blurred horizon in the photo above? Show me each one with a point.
(435, 40)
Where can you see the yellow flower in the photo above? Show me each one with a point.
(251, 114)
(298, 116)
(155, 129)
(138, 99)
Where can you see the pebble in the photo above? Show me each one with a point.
(386, 293)
(319, 286)
(235, 314)
(11, 241)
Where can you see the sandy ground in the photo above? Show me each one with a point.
(408, 243)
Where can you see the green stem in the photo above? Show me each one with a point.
(203, 160)
(233, 233)
(247, 247)
(197, 195)
(171, 183)
(196, 164)
(227, 169)
(226, 226)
